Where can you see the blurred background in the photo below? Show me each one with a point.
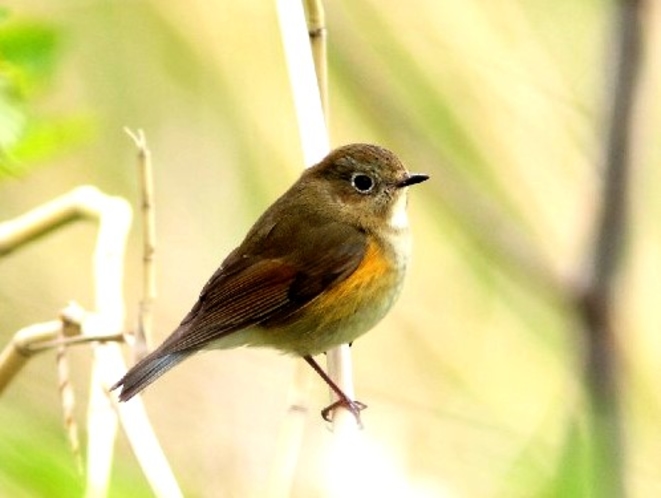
(474, 380)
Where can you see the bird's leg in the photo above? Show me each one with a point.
(354, 407)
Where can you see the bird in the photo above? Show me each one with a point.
(320, 267)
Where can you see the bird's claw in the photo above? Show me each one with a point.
(355, 407)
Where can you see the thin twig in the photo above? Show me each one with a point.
(143, 334)
(602, 368)
(318, 36)
(41, 345)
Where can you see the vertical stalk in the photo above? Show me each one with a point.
(146, 178)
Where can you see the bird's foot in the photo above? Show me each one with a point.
(355, 407)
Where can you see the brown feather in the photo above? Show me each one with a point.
(249, 289)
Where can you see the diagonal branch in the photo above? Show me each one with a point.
(597, 303)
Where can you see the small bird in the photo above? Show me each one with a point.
(318, 269)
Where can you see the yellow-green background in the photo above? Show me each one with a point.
(474, 380)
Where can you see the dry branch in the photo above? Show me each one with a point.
(102, 328)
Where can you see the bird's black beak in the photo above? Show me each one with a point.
(412, 179)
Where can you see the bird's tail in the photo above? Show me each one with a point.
(146, 371)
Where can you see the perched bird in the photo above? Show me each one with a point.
(318, 269)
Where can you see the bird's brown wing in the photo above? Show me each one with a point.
(268, 279)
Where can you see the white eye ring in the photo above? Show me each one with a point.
(363, 183)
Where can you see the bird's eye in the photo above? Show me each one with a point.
(362, 183)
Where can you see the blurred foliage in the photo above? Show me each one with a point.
(29, 54)
(29, 448)
(474, 381)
